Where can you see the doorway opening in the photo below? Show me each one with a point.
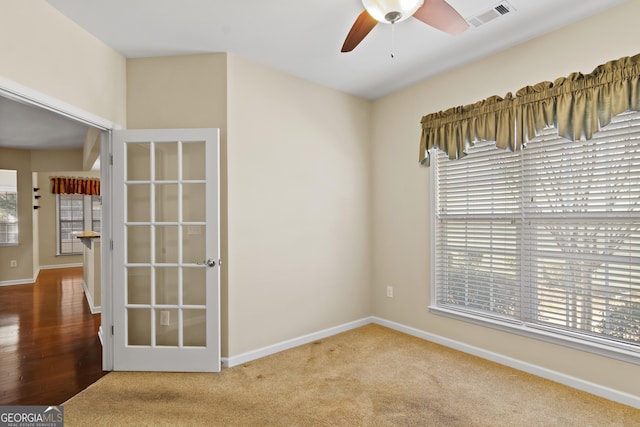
(14, 96)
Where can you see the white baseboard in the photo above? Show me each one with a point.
(27, 281)
(30, 281)
(573, 382)
(295, 342)
(87, 294)
(17, 282)
(54, 266)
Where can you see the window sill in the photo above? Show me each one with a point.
(631, 355)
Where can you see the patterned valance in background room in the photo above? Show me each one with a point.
(577, 106)
(72, 185)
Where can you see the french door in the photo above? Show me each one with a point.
(166, 250)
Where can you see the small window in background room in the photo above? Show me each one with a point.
(96, 209)
(70, 221)
(8, 207)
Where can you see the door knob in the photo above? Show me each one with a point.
(210, 262)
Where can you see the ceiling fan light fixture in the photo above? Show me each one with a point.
(391, 11)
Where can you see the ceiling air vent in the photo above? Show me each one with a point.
(487, 16)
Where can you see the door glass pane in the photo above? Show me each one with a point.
(167, 244)
(193, 200)
(167, 202)
(167, 285)
(138, 285)
(193, 161)
(138, 162)
(194, 286)
(167, 327)
(166, 161)
(194, 245)
(138, 203)
(139, 326)
(139, 244)
(195, 328)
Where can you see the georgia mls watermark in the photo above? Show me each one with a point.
(31, 416)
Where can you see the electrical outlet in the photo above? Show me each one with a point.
(14, 263)
(164, 318)
(194, 230)
(389, 291)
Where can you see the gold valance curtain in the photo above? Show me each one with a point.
(455, 129)
(578, 106)
(72, 185)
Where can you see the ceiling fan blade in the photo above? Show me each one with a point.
(439, 14)
(363, 25)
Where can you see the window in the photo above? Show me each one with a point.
(70, 221)
(96, 213)
(545, 241)
(8, 207)
(76, 212)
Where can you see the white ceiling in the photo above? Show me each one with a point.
(304, 38)
(32, 128)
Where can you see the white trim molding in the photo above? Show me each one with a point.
(573, 382)
(54, 266)
(25, 281)
(17, 92)
(87, 294)
(229, 362)
(18, 282)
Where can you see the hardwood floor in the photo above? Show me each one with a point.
(49, 347)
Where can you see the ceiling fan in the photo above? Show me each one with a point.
(437, 13)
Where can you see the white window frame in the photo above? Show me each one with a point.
(95, 221)
(89, 220)
(11, 189)
(521, 325)
(59, 242)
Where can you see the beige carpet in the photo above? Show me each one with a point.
(370, 376)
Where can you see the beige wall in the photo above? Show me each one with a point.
(304, 166)
(299, 162)
(59, 160)
(183, 92)
(19, 160)
(65, 163)
(45, 51)
(401, 206)
(47, 211)
(91, 148)
(298, 181)
(35, 223)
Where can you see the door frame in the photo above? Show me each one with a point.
(25, 95)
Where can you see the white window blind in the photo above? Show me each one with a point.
(70, 221)
(96, 213)
(8, 207)
(547, 238)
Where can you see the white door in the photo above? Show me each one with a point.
(166, 250)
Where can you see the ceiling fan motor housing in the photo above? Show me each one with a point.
(391, 11)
